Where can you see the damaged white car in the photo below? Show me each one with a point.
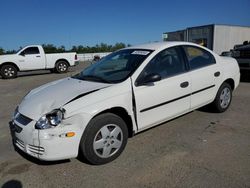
(94, 112)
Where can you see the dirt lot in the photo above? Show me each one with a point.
(200, 149)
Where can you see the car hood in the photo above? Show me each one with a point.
(54, 95)
(8, 56)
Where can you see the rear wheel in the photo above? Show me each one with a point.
(104, 139)
(61, 67)
(8, 71)
(223, 98)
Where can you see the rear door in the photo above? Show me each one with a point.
(205, 75)
(31, 59)
(162, 100)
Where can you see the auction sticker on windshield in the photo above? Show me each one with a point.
(140, 52)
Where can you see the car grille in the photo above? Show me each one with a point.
(33, 150)
(22, 119)
(36, 150)
(20, 144)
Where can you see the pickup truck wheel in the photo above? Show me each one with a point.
(223, 98)
(104, 139)
(8, 71)
(61, 67)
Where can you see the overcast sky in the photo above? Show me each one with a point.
(75, 22)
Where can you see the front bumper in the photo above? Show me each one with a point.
(26, 139)
(48, 144)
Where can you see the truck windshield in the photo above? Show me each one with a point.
(115, 67)
(19, 50)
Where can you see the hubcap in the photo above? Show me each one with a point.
(9, 72)
(225, 97)
(108, 140)
(62, 67)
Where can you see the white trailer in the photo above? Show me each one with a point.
(218, 38)
(226, 37)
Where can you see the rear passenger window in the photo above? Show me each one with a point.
(31, 50)
(198, 57)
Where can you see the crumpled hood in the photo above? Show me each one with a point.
(54, 95)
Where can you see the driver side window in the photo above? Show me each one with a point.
(167, 63)
(30, 51)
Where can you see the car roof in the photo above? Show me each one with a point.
(160, 45)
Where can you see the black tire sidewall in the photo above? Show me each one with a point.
(217, 104)
(86, 145)
(8, 66)
(57, 66)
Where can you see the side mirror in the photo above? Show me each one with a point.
(148, 79)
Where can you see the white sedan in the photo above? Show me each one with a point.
(94, 112)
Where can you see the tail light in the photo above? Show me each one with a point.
(76, 57)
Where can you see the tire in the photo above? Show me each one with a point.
(223, 98)
(104, 139)
(61, 67)
(8, 71)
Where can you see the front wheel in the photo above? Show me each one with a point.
(104, 139)
(223, 98)
(61, 67)
(8, 71)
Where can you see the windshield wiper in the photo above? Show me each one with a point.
(93, 78)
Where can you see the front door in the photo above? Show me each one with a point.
(162, 100)
(31, 59)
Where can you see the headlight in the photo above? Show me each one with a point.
(49, 120)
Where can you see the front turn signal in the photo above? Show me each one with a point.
(70, 134)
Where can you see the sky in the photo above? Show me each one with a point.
(87, 23)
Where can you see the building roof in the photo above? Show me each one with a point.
(208, 25)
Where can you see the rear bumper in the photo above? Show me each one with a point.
(76, 63)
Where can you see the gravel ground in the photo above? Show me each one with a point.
(200, 149)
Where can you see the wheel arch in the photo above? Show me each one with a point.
(62, 59)
(9, 63)
(231, 82)
(122, 113)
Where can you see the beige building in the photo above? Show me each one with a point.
(216, 37)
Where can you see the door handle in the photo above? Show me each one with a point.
(217, 74)
(184, 84)
(38, 56)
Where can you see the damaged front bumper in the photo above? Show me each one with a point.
(48, 144)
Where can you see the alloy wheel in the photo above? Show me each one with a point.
(9, 72)
(108, 141)
(225, 97)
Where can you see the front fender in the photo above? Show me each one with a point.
(119, 95)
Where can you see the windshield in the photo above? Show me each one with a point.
(115, 67)
(19, 50)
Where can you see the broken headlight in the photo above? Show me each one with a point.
(50, 120)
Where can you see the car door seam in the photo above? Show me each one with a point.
(134, 104)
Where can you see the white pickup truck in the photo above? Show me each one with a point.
(34, 58)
